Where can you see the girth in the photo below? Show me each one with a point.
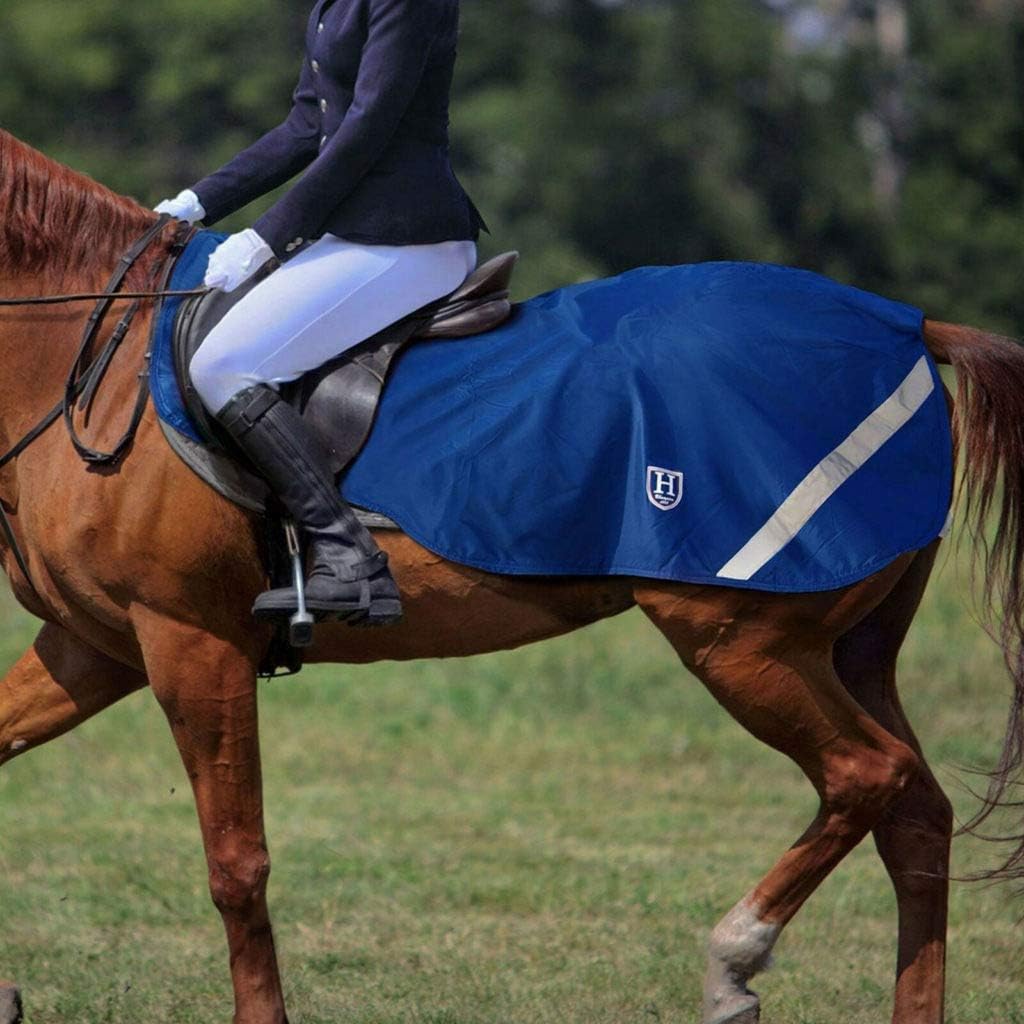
(339, 400)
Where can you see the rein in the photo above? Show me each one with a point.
(53, 300)
(84, 377)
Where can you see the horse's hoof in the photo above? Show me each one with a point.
(746, 1012)
(10, 1004)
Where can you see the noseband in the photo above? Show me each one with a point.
(84, 377)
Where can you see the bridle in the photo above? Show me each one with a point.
(85, 376)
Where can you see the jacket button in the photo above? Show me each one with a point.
(323, 141)
(323, 106)
(315, 65)
(320, 28)
(292, 246)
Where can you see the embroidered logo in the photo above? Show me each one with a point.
(664, 487)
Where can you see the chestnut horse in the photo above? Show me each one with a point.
(144, 576)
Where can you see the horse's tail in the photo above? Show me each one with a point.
(988, 427)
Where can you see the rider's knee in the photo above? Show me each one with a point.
(215, 376)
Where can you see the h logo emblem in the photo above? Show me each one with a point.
(664, 487)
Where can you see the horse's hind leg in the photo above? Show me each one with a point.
(768, 659)
(56, 684)
(206, 684)
(913, 834)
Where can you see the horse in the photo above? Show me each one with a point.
(144, 576)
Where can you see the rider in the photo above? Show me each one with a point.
(377, 227)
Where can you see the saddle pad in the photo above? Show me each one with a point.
(188, 273)
(725, 423)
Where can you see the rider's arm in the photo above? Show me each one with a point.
(399, 37)
(269, 162)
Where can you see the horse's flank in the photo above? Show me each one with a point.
(54, 221)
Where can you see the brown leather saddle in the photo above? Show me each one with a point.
(339, 400)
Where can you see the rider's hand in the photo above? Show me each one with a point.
(184, 206)
(236, 259)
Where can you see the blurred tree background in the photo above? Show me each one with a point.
(879, 141)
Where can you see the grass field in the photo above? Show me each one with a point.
(539, 836)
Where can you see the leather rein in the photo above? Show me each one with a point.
(85, 376)
(54, 300)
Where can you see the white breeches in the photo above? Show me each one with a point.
(330, 297)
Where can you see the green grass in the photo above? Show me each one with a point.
(538, 836)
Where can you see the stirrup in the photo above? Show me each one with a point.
(300, 625)
(273, 605)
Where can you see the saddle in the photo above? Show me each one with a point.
(339, 400)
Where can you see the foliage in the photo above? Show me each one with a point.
(602, 134)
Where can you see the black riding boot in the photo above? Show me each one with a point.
(348, 574)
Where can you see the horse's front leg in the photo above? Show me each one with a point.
(56, 684)
(206, 685)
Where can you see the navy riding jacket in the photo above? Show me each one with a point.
(369, 123)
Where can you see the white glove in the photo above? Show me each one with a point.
(185, 206)
(236, 259)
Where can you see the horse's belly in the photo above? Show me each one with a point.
(453, 611)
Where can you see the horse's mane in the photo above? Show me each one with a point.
(55, 221)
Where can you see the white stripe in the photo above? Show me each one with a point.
(825, 479)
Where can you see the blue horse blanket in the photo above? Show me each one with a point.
(725, 423)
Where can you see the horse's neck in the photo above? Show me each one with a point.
(38, 345)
